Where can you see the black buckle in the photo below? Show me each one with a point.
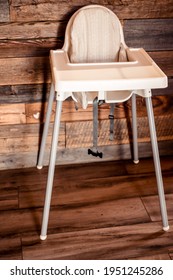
(111, 117)
(95, 154)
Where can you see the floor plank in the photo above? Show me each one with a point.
(125, 242)
(67, 218)
(147, 166)
(154, 257)
(171, 256)
(106, 210)
(10, 248)
(8, 197)
(152, 205)
(87, 191)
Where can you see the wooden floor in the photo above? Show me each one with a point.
(107, 210)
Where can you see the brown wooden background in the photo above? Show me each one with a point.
(28, 30)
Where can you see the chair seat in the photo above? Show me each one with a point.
(86, 98)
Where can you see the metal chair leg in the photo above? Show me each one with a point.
(51, 171)
(46, 127)
(157, 163)
(134, 130)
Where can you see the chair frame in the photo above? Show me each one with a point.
(60, 97)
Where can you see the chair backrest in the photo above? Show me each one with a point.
(94, 34)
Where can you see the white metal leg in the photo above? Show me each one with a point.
(157, 163)
(51, 171)
(46, 127)
(134, 130)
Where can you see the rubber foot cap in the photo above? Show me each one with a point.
(136, 161)
(43, 237)
(166, 228)
(39, 167)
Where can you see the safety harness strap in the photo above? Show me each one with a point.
(111, 117)
(94, 150)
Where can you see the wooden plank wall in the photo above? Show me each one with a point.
(28, 30)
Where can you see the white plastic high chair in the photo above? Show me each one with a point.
(96, 63)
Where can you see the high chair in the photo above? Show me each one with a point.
(96, 65)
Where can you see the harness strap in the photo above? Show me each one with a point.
(94, 150)
(111, 117)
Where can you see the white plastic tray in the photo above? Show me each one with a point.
(140, 72)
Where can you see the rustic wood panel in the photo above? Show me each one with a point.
(12, 114)
(26, 138)
(31, 30)
(80, 155)
(19, 145)
(151, 34)
(23, 130)
(19, 160)
(24, 70)
(30, 47)
(164, 59)
(80, 134)
(4, 8)
(162, 105)
(69, 112)
(28, 93)
(43, 10)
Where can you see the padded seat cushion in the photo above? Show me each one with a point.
(95, 37)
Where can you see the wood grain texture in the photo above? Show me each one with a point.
(166, 165)
(24, 70)
(4, 8)
(151, 34)
(163, 256)
(80, 134)
(8, 196)
(151, 204)
(80, 155)
(12, 114)
(28, 93)
(171, 255)
(30, 30)
(29, 47)
(44, 10)
(101, 243)
(26, 138)
(84, 220)
(85, 188)
(162, 106)
(164, 59)
(80, 218)
(10, 247)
